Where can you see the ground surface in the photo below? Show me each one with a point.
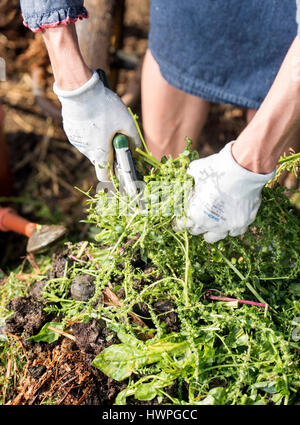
(46, 171)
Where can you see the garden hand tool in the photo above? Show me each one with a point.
(125, 171)
(39, 236)
(124, 166)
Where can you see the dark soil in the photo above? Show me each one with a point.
(59, 261)
(28, 316)
(64, 361)
(62, 371)
(82, 288)
(164, 310)
(46, 169)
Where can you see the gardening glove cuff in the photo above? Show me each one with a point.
(225, 198)
(92, 115)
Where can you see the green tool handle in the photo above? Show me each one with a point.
(103, 77)
(120, 141)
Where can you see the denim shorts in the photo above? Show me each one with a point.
(42, 14)
(222, 51)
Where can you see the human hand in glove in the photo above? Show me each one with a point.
(92, 115)
(225, 198)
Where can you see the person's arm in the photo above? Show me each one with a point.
(228, 185)
(69, 69)
(274, 125)
(56, 22)
(92, 114)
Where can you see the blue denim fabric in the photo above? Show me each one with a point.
(298, 15)
(223, 51)
(44, 13)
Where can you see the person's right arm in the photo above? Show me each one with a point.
(92, 114)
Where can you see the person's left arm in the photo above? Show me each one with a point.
(228, 185)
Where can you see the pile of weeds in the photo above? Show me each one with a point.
(186, 322)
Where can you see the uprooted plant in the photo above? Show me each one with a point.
(152, 287)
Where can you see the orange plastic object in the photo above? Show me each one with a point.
(6, 185)
(11, 221)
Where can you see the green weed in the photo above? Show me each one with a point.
(220, 353)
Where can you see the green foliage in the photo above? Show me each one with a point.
(12, 359)
(46, 334)
(241, 347)
(119, 361)
(219, 353)
(295, 289)
(289, 163)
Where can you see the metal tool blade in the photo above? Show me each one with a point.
(44, 235)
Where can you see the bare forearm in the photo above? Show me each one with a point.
(69, 68)
(269, 133)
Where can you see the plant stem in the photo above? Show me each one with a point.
(249, 286)
(289, 158)
(187, 271)
(139, 130)
(149, 158)
(123, 234)
(58, 331)
(235, 365)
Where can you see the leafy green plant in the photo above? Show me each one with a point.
(121, 360)
(213, 352)
(46, 334)
(290, 163)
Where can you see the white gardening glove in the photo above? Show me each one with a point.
(92, 115)
(225, 198)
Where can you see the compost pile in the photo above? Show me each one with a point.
(143, 313)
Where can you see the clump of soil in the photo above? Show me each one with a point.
(82, 287)
(37, 290)
(59, 261)
(91, 337)
(28, 316)
(164, 309)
